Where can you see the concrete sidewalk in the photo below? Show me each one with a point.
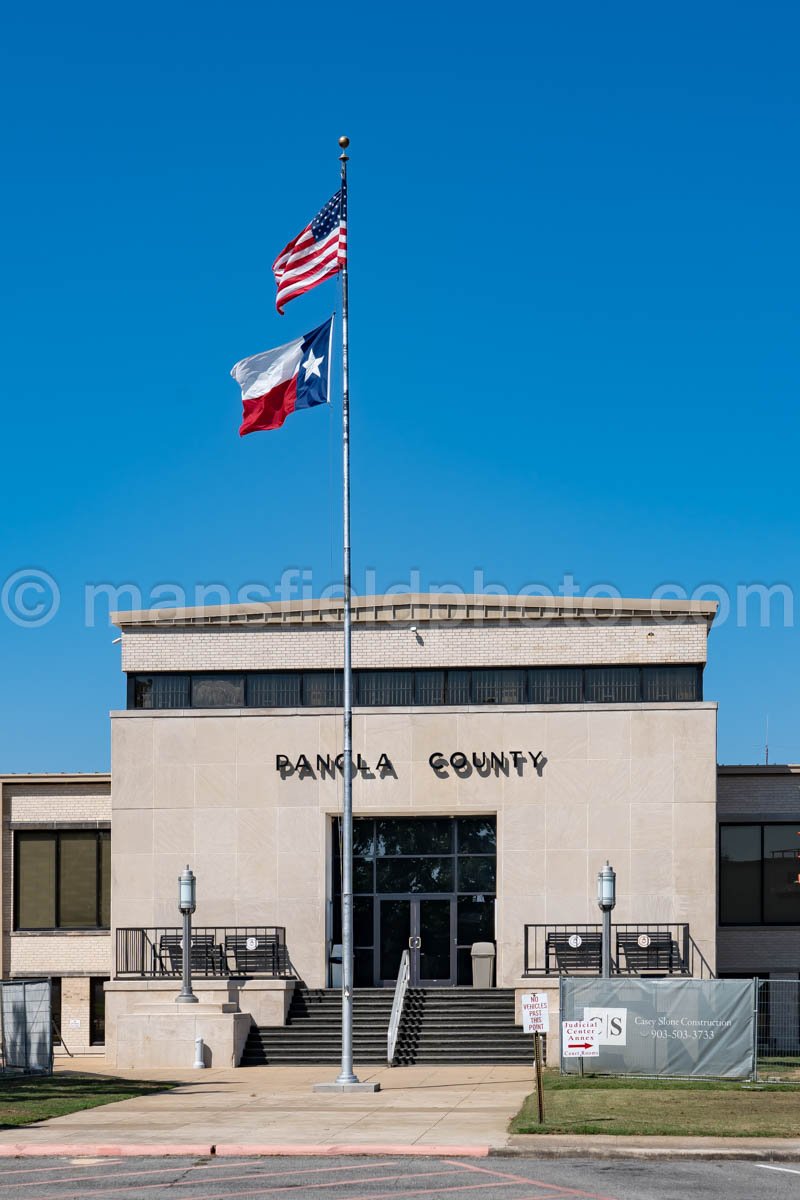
(432, 1110)
(419, 1109)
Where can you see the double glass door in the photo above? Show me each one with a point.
(426, 927)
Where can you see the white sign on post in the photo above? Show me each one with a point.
(579, 1039)
(535, 1015)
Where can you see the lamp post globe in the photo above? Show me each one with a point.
(187, 891)
(187, 902)
(607, 887)
(606, 899)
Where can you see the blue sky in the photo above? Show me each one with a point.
(574, 265)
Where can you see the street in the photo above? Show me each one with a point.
(372, 1178)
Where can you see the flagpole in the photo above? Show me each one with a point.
(346, 1074)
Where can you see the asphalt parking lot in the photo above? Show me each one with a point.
(372, 1178)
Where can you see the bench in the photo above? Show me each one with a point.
(586, 958)
(267, 957)
(206, 958)
(662, 955)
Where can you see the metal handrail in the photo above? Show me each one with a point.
(541, 958)
(400, 990)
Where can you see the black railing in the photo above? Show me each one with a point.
(636, 949)
(217, 952)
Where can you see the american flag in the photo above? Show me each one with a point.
(317, 252)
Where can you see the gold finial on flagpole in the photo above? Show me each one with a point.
(344, 142)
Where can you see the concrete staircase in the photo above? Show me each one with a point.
(439, 1025)
(313, 1030)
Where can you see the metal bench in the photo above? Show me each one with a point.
(207, 957)
(659, 954)
(261, 954)
(585, 958)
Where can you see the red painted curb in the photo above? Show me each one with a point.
(91, 1150)
(379, 1148)
(172, 1150)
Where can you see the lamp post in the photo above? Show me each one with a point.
(187, 902)
(606, 899)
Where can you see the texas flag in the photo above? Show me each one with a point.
(283, 381)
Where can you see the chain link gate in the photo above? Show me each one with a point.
(778, 1031)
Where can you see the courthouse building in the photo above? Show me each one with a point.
(504, 749)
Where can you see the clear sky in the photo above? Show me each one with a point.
(574, 308)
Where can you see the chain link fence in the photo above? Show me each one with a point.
(26, 1045)
(778, 1031)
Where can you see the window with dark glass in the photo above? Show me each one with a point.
(62, 879)
(458, 687)
(97, 1012)
(217, 691)
(384, 687)
(664, 684)
(407, 856)
(759, 874)
(555, 685)
(498, 687)
(429, 687)
(55, 1009)
(162, 691)
(740, 874)
(612, 685)
(781, 874)
(402, 688)
(281, 689)
(322, 689)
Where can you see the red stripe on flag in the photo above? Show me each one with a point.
(271, 410)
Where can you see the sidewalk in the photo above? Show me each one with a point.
(435, 1110)
(432, 1109)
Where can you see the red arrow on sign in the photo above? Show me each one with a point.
(580, 1045)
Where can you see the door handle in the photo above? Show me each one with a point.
(414, 943)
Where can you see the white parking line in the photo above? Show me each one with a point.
(786, 1170)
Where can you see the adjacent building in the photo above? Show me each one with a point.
(56, 887)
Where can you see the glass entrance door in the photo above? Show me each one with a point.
(426, 927)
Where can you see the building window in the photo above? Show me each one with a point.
(555, 685)
(450, 862)
(665, 684)
(62, 879)
(612, 685)
(457, 687)
(498, 687)
(322, 689)
(217, 691)
(384, 687)
(55, 1010)
(161, 691)
(277, 689)
(759, 874)
(97, 1012)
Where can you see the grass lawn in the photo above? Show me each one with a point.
(35, 1098)
(653, 1106)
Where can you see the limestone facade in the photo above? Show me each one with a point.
(634, 783)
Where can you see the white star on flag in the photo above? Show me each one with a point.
(311, 365)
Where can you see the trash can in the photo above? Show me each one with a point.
(483, 964)
(336, 965)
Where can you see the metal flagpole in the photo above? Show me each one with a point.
(346, 1079)
(346, 1074)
